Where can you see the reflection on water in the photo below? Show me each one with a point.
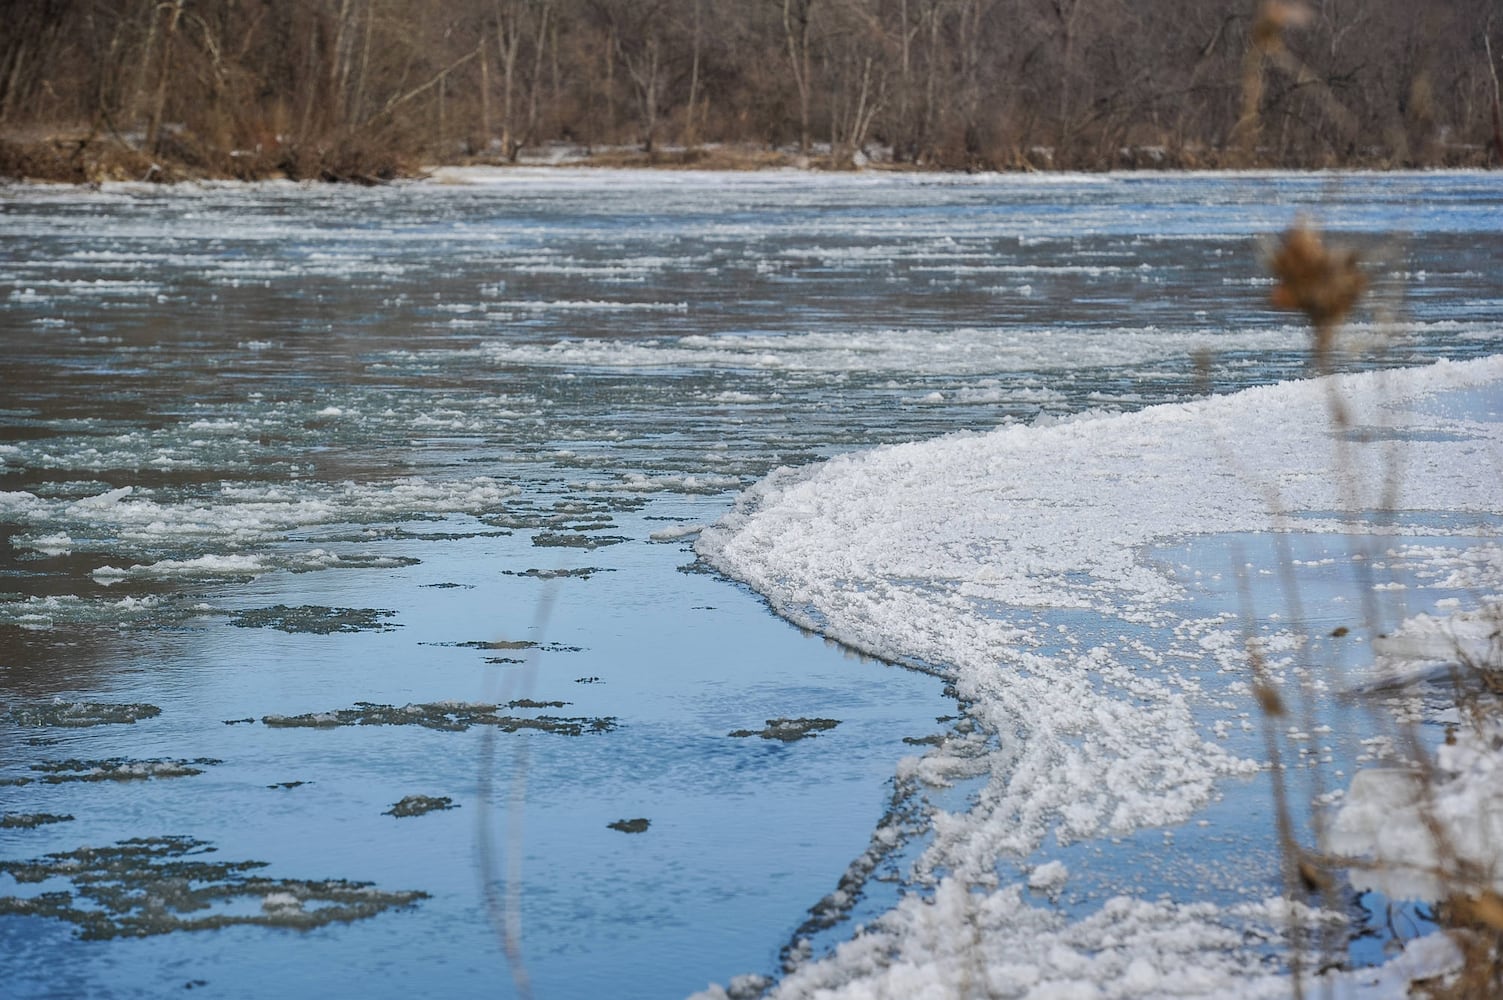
(278, 451)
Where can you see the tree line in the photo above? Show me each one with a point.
(363, 88)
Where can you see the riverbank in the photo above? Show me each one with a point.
(82, 157)
(87, 157)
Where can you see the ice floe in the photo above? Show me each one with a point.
(245, 514)
(945, 553)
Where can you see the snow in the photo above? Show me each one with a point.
(947, 553)
(1048, 877)
(1401, 817)
(1426, 645)
(951, 946)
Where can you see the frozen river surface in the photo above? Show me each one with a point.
(315, 499)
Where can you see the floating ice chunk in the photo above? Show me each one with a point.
(56, 544)
(244, 515)
(1049, 877)
(280, 902)
(211, 565)
(636, 482)
(744, 987)
(676, 532)
(109, 498)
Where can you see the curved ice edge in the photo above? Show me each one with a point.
(832, 547)
(1128, 948)
(770, 539)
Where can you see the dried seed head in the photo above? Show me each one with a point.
(1313, 877)
(1319, 282)
(1269, 700)
(1482, 909)
(1273, 17)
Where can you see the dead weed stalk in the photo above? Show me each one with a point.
(1325, 284)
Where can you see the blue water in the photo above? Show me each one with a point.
(386, 399)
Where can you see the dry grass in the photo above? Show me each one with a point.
(77, 159)
(1325, 285)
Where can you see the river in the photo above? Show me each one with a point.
(316, 498)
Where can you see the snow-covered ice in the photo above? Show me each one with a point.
(935, 553)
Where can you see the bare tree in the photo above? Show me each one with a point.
(797, 16)
(356, 88)
(517, 21)
(636, 31)
(857, 60)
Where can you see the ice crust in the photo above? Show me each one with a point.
(934, 553)
(1427, 645)
(1401, 818)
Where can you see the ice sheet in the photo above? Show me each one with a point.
(930, 552)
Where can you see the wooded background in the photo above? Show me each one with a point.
(362, 87)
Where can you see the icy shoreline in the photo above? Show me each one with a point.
(952, 552)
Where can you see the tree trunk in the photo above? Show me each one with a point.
(796, 32)
(1492, 69)
(159, 100)
(508, 44)
(536, 83)
(690, 139)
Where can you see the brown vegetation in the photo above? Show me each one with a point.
(1324, 284)
(365, 89)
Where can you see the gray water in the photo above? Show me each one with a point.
(274, 450)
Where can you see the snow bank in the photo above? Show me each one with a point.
(945, 553)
